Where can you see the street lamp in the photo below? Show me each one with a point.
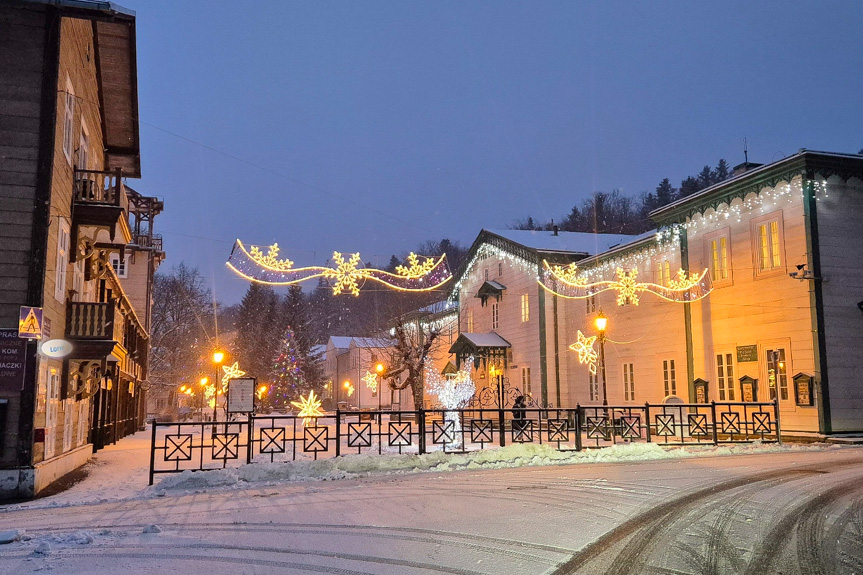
(218, 358)
(204, 381)
(601, 322)
(379, 368)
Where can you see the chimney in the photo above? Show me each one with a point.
(744, 167)
(555, 229)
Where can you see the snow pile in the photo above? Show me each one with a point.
(519, 455)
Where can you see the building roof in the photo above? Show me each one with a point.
(340, 342)
(547, 241)
(371, 342)
(481, 340)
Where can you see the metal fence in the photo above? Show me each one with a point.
(177, 447)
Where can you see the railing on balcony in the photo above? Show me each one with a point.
(88, 320)
(146, 241)
(100, 188)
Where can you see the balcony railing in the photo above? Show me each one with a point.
(88, 320)
(100, 188)
(146, 241)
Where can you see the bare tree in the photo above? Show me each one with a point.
(410, 352)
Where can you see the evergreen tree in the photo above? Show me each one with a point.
(288, 381)
(688, 187)
(722, 171)
(665, 193)
(257, 328)
(706, 177)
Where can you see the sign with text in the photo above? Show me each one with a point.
(241, 395)
(30, 322)
(12, 355)
(747, 353)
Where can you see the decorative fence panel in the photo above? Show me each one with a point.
(177, 447)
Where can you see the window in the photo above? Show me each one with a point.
(525, 380)
(83, 421)
(78, 280)
(593, 386)
(725, 376)
(777, 373)
(68, 115)
(83, 148)
(664, 272)
(470, 321)
(669, 377)
(718, 256)
(525, 308)
(628, 382)
(62, 261)
(500, 269)
(485, 274)
(119, 266)
(767, 236)
(51, 413)
(591, 304)
(494, 315)
(67, 424)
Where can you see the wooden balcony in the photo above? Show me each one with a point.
(93, 321)
(99, 199)
(102, 331)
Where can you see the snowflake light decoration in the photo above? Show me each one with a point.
(418, 274)
(626, 287)
(586, 353)
(310, 408)
(371, 380)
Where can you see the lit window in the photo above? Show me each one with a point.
(62, 261)
(669, 377)
(525, 380)
(777, 375)
(525, 308)
(725, 376)
(767, 233)
(663, 267)
(628, 382)
(494, 315)
(470, 321)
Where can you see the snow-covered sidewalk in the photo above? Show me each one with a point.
(120, 471)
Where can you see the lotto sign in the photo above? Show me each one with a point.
(30, 323)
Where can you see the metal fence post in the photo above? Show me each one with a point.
(249, 438)
(776, 411)
(577, 427)
(713, 416)
(501, 420)
(647, 419)
(422, 430)
(153, 451)
(339, 432)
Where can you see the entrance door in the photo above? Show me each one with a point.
(777, 373)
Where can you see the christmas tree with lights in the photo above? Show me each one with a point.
(287, 372)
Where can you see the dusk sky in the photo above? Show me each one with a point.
(374, 126)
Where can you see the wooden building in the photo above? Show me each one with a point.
(75, 240)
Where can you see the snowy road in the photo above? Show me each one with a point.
(792, 512)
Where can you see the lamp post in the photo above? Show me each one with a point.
(204, 381)
(218, 358)
(601, 322)
(379, 368)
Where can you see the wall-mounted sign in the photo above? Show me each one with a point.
(12, 354)
(30, 322)
(56, 348)
(803, 390)
(747, 353)
(241, 395)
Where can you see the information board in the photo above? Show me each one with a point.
(747, 353)
(241, 395)
(12, 356)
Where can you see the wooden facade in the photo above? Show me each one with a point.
(68, 138)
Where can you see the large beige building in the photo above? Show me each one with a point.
(75, 240)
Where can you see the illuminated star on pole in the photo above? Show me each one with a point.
(586, 353)
(231, 372)
(371, 380)
(310, 408)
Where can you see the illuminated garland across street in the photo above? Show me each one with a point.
(567, 282)
(419, 274)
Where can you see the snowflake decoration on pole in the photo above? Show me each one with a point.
(371, 380)
(310, 408)
(586, 353)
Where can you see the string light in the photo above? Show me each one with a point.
(567, 283)
(310, 408)
(453, 391)
(347, 275)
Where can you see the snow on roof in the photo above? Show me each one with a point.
(633, 241)
(564, 241)
(341, 341)
(371, 342)
(489, 339)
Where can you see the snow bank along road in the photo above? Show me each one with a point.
(785, 512)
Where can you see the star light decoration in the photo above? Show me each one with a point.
(310, 408)
(567, 282)
(586, 353)
(350, 389)
(418, 274)
(231, 372)
(371, 380)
